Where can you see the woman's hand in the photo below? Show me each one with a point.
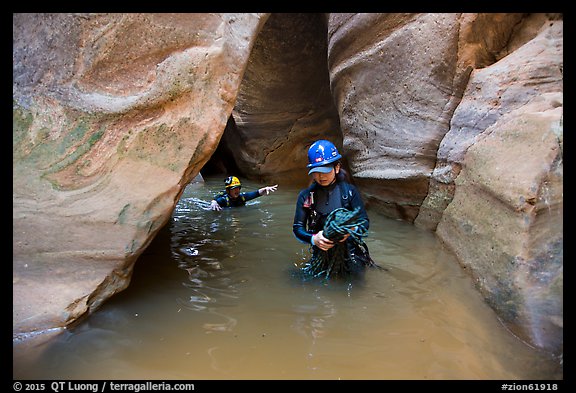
(214, 205)
(321, 242)
(346, 236)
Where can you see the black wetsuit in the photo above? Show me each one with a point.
(313, 206)
(316, 202)
(225, 200)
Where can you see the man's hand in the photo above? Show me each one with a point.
(321, 242)
(215, 206)
(267, 189)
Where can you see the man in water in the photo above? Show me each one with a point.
(233, 197)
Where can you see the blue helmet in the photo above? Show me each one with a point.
(322, 153)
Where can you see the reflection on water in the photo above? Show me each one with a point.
(217, 296)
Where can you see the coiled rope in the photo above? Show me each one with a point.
(341, 260)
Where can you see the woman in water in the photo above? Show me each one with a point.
(331, 192)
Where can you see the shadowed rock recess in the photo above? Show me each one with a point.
(453, 122)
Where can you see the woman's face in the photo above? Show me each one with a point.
(325, 179)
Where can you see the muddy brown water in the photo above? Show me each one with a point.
(216, 297)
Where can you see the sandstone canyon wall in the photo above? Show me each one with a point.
(450, 121)
(454, 122)
(113, 115)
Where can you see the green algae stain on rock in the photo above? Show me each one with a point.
(161, 146)
(56, 152)
(47, 153)
(52, 150)
(21, 123)
(122, 147)
(76, 153)
(122, 215)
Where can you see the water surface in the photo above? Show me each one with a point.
(215, 296)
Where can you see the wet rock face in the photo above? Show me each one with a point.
(417, 94)
(394, 89)
(450, 121)
(113, 115)
(284, 103)
(503, 159)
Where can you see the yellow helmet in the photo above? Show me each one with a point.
(232, 182)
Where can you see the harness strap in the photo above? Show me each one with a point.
(228, 199)
(345, 194)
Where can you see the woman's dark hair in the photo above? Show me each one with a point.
(343, 174)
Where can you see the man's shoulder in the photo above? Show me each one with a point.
(220, 196)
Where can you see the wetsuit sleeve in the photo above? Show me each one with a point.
(248, 196)
(221, 201)
(300, 218)
(356, 202)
